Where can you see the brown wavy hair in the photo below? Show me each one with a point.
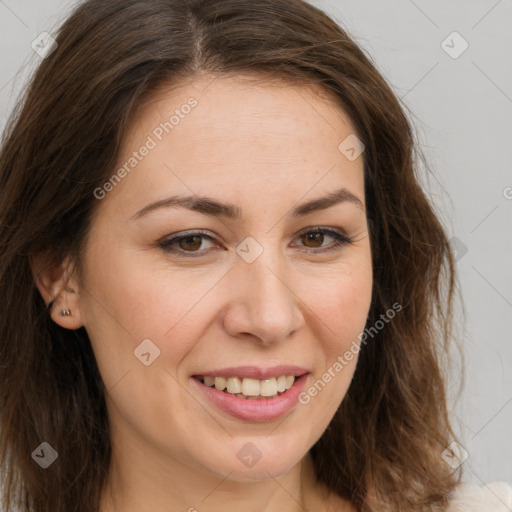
(382, 450)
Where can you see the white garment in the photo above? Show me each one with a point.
(492, 497)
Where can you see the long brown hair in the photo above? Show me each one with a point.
(382, 449)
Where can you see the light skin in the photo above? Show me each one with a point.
(265, 148)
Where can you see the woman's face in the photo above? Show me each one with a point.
(255, 290)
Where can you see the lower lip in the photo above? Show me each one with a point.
(260, 410)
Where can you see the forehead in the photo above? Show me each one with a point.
(224, 133)
(233, 105)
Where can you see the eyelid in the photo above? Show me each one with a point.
(172, 239)
(341, 239)
(322, 229)
(339, 236)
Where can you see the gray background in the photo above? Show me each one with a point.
(462, 111)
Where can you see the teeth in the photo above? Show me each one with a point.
(281, 383)
(209, 381)
(234, 385)
(251, 388)
(268, 387)
(220, 383)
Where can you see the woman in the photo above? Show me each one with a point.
(225, 288)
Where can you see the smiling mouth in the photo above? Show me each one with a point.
(249, 389)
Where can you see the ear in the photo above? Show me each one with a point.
(59, 288)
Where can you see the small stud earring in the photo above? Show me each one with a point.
(64, 312)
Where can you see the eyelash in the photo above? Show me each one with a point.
(340, 241)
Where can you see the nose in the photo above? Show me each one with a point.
(263, 304)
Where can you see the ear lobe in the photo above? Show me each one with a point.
(56, 285)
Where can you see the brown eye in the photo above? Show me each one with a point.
(315, 238)
(187, 244)
(190, 243)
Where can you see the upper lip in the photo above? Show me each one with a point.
(255, 372)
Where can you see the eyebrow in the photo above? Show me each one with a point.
(214, 208)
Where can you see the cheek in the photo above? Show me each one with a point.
(341, 302)
(131, 299)
(140, 294)
(339, 312)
